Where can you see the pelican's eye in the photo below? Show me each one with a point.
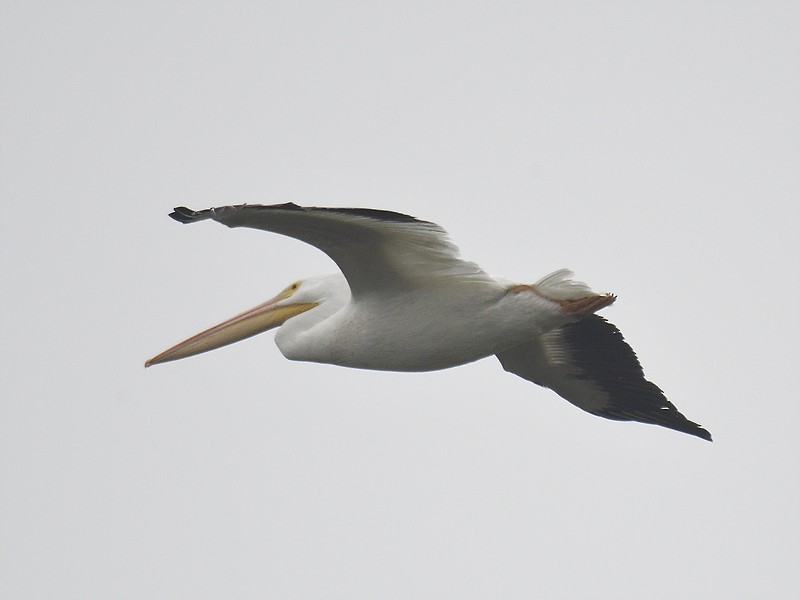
(291, 289)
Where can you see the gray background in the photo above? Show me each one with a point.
(650, 146)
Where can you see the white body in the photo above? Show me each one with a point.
(424, 329)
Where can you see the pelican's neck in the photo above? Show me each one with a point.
(332, 294)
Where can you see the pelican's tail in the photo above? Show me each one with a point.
(574, 297)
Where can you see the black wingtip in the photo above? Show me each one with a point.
(187, 215)
(673, 419)
(702, 433)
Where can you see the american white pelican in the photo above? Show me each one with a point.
(405, 301)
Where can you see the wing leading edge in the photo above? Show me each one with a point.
(378, 251)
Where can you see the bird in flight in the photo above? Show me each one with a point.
(405, 301)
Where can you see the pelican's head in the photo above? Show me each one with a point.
(295, 299)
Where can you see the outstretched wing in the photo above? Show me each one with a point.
(589, 364)
(377, 250)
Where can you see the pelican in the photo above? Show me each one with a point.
(405, 301)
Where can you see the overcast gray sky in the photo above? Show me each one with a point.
(652, 147)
